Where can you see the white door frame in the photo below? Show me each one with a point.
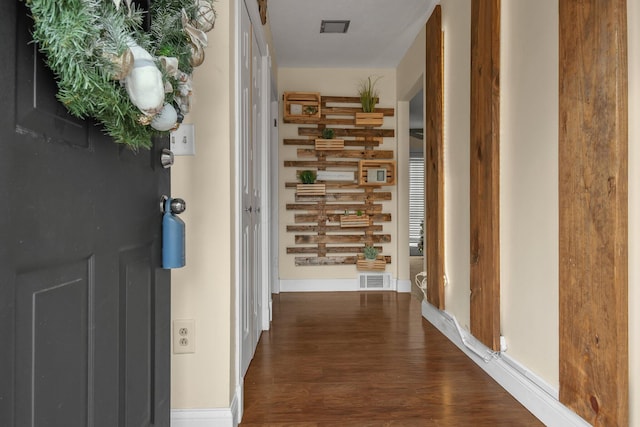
(265, 209)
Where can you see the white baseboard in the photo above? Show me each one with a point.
(318, 285)
(217, 417)
(527, 388)
(335, 285)
(404, 286)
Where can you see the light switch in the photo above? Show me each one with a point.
(183, 141)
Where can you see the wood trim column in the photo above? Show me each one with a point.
(594, 373)
(485, 172)
(434, 160)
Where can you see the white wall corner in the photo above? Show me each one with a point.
(237, 404)
(526, 387)
(404, 286)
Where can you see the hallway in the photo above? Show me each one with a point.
(367, 359)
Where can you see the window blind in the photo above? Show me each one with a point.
(416, 198)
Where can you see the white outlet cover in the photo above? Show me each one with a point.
(182, 141)
(184, 336)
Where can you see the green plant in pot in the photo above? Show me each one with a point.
(307, 177)
(370, 252)
(328, 133)
(310, 110)
(368, 94)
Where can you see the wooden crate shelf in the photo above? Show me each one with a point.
(369, 119)
(329, 144)
(364, 166)
(311, 189)
(302, 107)
(353, 221)
(378, 264)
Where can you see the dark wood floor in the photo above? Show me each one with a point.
(367, 359)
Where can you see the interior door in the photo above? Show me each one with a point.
(247, 292)
(84, 306)
(258, 151)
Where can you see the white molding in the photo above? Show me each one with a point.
(403, 286)
(526, 387)
(334, 285)
(318, 285)
(237, 404)
(216, 417)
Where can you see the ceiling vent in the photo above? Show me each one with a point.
(340, 27)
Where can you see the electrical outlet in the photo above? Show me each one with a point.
(184, 336)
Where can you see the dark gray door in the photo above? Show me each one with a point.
(84, 306)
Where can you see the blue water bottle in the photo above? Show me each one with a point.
(173, 234)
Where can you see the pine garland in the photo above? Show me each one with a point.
(80, 39)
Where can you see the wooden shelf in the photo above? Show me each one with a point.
(302, 107)
(389, 167)
(324, 235)
(329, 144)
(378, 264)
(311, 189)
(369, 119)
(352, 221)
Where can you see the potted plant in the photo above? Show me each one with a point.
(308, 187)
(328, 141)
(307, 177)
(368, 100)
(370, 259)
(370, 252)
(359, 219)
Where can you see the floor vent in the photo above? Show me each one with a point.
(374, 281)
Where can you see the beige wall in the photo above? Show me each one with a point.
(456, 18)
(633, 23)
(409, 81)
(529, 184)
(338, 82)
(529, 181)
(203, 290)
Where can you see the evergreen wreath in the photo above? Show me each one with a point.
(136, 83)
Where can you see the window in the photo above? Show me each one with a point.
(416, 198)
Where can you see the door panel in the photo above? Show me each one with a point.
(248, 217)
(84, 306)
(53, 303)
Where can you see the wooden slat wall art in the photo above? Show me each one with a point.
(324, 236)
(485, 172)
(434, 171)
(594, 372)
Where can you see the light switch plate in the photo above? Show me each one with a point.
(183, 140)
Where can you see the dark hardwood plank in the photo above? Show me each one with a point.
(434, 162)
(485, 172)
(367, 359)
(594, 372)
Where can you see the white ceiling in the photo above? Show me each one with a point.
(379, 35)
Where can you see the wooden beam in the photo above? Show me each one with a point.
(348, 154)
(334, 228)
(346, 260)
(336, 209)
(347, 143)
(365, 133)
(347, 197)
(330, 249)
(312, 218)
(485, 172)
(304, 239)
(434, 164)
(594, 373)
